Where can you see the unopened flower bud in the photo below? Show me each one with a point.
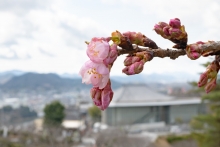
(116, 37)
(96, 95)
(166, 31)
(145, 56)
(193, 51)
(128, 61)
(203, 79)
(175, 23)
(210, 85)
(135, 59)
(107, 95)
(134, 68)
(174, 32)
(163, 24)
(138, 67)
(112, 55)
(213, 69)
(158, 29)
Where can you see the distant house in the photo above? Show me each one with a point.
(137, 103)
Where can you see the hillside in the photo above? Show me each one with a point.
(42, 82)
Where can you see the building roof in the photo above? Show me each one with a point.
(141, 95)
(72, 124)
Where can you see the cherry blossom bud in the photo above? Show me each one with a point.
(130, 35)
(102, 97)
(166, 31)
(96, 96)
(194, 55)
(210, 85)
(175, 33)
(158, 29)
(107, 95)
(134, 68)
(213, 69)
(163, 24)
(175, 23)
(193, 51)
(138, 67)
(135, 59)
(112, 55)
(203, 79)
(128, 61)
(116, 37)
(145, 56)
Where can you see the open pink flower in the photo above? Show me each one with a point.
(98, 49)
(96, 74)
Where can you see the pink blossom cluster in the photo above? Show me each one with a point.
(134, 64)
(173, 30)
(96, 71)
(209, 77)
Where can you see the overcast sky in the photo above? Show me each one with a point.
(48, 35)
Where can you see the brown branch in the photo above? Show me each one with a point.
(161, 53)
(210, 49)
(213, 48)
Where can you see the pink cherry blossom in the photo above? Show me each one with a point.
(96, 74)
(98, 49)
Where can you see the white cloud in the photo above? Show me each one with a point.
(49, 36)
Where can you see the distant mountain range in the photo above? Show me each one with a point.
(43, 82)
(18, 80)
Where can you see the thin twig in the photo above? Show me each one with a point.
(161, 53)
(212, 49)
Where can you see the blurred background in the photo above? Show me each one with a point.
(42, 48)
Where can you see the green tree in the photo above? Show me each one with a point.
(95, 113)
(54, 114)
(206, 127)
(7, 108)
